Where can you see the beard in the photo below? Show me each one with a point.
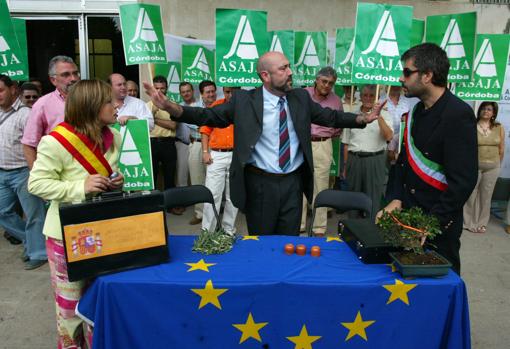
(68, 87)
(416, 91)
(285, 87)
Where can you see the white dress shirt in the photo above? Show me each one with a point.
(136, 107)
(266, 153)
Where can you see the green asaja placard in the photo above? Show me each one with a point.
(455, 33)
(343, 55)
(12, 61)
(489, 69)
(282, 41)
(135, 161)
(20, 29)
(382, 35)
(310, 55)
(417, 32)
(142, 33)
(172, 72)
(197, 64)
(241, 38)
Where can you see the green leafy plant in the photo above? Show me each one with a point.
(407, 228)
(213, 242)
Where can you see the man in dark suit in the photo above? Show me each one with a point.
(272, 161)
(437, 168)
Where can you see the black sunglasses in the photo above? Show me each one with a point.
(408, 72)
(31, 97)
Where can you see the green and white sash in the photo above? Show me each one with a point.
(429, 171)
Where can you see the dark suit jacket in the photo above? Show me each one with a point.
(245, 111)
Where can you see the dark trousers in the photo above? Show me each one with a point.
(164, 153)
(273, 204)
(448, 243)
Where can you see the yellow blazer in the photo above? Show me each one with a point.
(58, 177)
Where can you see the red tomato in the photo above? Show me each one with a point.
(315, 251)
(301, 250)
(289, 249)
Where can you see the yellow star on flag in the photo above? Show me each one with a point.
(250, 329)
(200, 265)
(392, 266)
(333, 238)
(357, 327)
(399, 291)
(303, 341)
(209, 294)
(251, 237)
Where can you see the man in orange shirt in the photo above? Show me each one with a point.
(217, 146)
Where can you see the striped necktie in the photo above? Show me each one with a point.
(284, 149)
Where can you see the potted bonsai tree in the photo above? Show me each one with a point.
(411, 229)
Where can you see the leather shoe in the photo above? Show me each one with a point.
(34, 264)
(176, 211)
(195, 221)
(507, 229)
(12, 239)
(24, 257)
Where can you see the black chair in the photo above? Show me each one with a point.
(342, 201)
(187, 196)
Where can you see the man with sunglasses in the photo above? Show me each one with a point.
(29, 94)
(48, 111)
(437, 168)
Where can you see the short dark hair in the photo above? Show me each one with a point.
(185, 83)
(6, 80)
(160, 79)
(204, 84)
(430, 57)
(495, 112)
(27, 86)
(327, 71)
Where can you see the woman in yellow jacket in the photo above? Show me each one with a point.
(75, 161)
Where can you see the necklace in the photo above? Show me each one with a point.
(484, 130)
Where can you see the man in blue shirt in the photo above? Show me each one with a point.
(272, 163)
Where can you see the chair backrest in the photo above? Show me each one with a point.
(187, 196)
(342, 201)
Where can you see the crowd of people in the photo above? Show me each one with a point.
(266, 151)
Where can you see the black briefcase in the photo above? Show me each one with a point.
(114, 232)
(366, 240)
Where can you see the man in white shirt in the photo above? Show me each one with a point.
(365, 155)
(397, 106)
(128, 108)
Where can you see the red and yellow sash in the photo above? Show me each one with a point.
(82, 149)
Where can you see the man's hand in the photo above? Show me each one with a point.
(122, 120)
(376, 112)
(206, 158)
(160, 100)
(393, 205)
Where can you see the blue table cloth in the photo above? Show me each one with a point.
(256, 296)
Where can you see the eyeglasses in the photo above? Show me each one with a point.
(67, 74)
(31, 97)
(408, 72)
(327, 82)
